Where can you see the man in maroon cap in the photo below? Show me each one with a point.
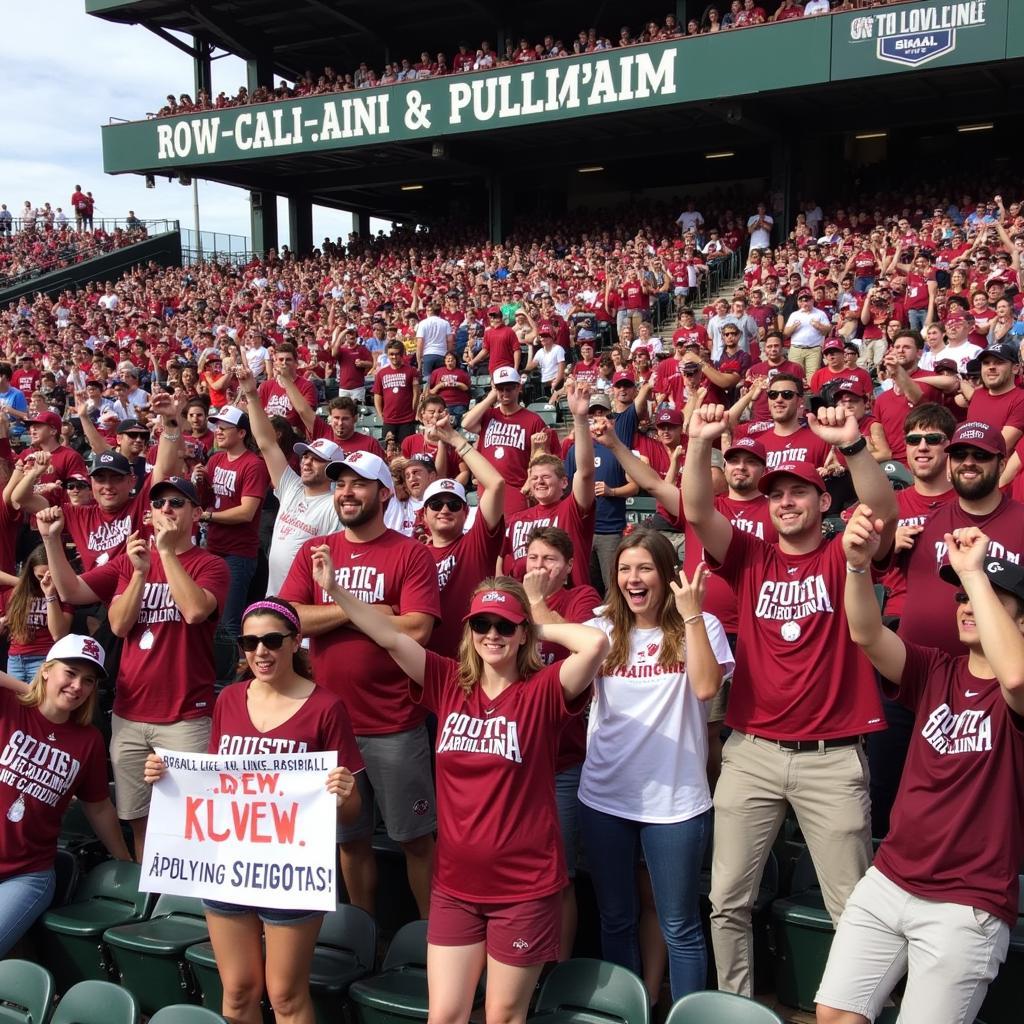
(802, 697)
(44, 434)
(998, 402)
(977, 457)
(833, 356)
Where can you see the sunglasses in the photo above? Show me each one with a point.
(961, 598)
(138, 436)
(931, 439)
(449, 504)
(973, 453)
(76, 485)
(483, 624)
(158, 503)
(785, 394)
(272, 641)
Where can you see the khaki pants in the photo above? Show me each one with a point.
(808, 358)
(828, 790)
(872, 352)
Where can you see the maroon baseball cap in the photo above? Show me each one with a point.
(45, 419)
(802, 470)
(851, 387)
(832, 345)
(496, 602)
(957, 315)
(669, 418)
(975, 434)
(623, 377)
(749, 445)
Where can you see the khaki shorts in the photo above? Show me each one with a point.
(132, 742)
(719, 703)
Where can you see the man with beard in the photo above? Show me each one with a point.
(774, 363)
(802, 696)
(977, 456)
(999, 402)
(380, 567)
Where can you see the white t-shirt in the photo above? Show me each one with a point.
(961, 354)
(434, 331)
(548, 361)
(689, 220)
(257, 360)
(400, 516)
(298, 519)
(806, 336)
(652, 344)
(647, 750)
(761, 238)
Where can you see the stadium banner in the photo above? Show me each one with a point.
(660, 74)
(254, 829)
(887, 40)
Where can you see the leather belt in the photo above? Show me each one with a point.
(803, 746)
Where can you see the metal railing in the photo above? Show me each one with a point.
(41, 225)
(215, 247)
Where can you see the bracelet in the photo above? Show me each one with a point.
(855, 571)
(465, 448)
(852, 449)
(693, 618)
(171, 437)
(50, 600)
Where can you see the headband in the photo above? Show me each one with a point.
(277, 609)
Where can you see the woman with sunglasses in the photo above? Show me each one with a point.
(644, 787)
(275, 708)
(52, 753)
(499, 869)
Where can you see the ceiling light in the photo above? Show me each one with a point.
(590, 170)
(723, 155)
(976, 127)
(871, 135)
(411, 188)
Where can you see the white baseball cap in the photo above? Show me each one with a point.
(445, 486)
(322, 448)
(364, 464)
(231, 415)
(505, 375)
(75, 647)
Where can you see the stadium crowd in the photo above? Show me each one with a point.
(340, 449)
(738, 14)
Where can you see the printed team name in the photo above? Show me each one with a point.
(278, 405)
(158, 605)
(969, 732)
(260, 745)
(776, 459)
(224, 481)
(366, 582)
(521, 533)
(445, 568)
(504, 435)
(497, 736)
(749, 526)
(648, 671)
(394, 380)
(107, 536)
(788, 600)
(995, 550)
(37, 769)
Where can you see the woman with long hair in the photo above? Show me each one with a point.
(275, 708)
(52, 753)
(33, 617)
(644, 785)
(499, 869)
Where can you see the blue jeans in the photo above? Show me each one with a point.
(22, 899)
(862, 284)
(430, 364)
(916, 318)
(457, 412)
(567, 786)
(673, 854)
(242, 570)
(24, 666)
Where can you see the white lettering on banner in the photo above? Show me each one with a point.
(256, 830)
(968, 732)
(504, 435)
(36, 769)
(995, 550)
(917, 35)
(787, 600)
(497, 736)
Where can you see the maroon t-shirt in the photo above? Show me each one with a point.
(320, 723)
(891, 409)
(392, 570)
(358, 442)
(760, 410)
(231, 480)
(927, 617)
(417, 444)
(1005, 410)
(395, 385)
(43, 764)
(502, 344)
(10, 527)
(100, 536)
(750, 516)
(350, 377)
(803, 445)
(167, 668)
(498, 838)
(460, 568)
(65, 462)
(798, 674)
(451, 394)
(38, 639)
(276, 402)
(957, 831)
(504, 441)
(566, 515)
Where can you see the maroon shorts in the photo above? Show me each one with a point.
(519, 934)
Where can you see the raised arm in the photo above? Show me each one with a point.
(471, 420)
(20, 490)
(262, 429)
(714, 530)
(69, 584)
(492, 502)
(578, 397)
(97, 442)
(587, 647)
(642, 473)
(123, 612)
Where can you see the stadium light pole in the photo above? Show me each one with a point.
(195, 217)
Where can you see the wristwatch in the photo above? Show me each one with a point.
(852, 449)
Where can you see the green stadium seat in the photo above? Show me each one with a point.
(26, 992)
(186, 1013)
(481, 381)
(546, 411)
(73, 947)
(150, 955)
(898, 475)
(96, 1002)
(588, 991)
(399, 993)
(720, 1008)
(473, 498)
(396, 905)
(203, 965)
(640, 508)
(345, 951)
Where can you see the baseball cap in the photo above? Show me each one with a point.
(445, 486)
(232, 416)
(832, 345)
(45, 419)
(958, 315)
(180, 484)
(124, 426)
(423, 459)
(972, 367)
(113, 461)
(976, 434)
(1001, 572)
(641, 348)
(498, 603)
(1005, 353)
(947, 364)
(802, 470)
(851, 387)
(322, 448)
(75, 647)
(600, 401)
(750, 445)
(804, 294)
(623, 377)
(364, 464)
(669, 418)
(505, 375)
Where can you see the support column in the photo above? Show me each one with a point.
(782, 183)
(259, 72)
(497, 212)
(300, 224)
(363, 225)
(202, 67)
(263, 217)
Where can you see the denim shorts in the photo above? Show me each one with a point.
(268, 915)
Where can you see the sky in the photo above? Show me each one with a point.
(65, 75)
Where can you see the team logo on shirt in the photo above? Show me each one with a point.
(445, 568)
(365, 582)
(500, 435)
(278, 405)
(786, 601)
(260, 745)
(776, 459)
(969, 732)
(109, 535)
(36, 769)
(995, 550)
(498, 736)
(224, 480)
(157, 606)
